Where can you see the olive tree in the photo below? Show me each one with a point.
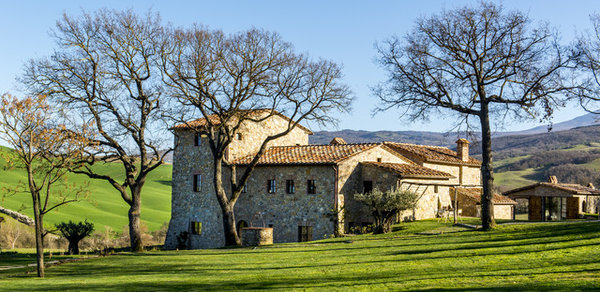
(385, 206)
(478, 63)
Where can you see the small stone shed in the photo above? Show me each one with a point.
(552, 201)
(469, 201)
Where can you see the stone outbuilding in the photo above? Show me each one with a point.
(552, 201)
(468, 201)
(302, 191)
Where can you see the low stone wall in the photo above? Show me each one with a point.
(253, 236)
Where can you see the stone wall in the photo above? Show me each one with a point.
(431, 191)
(255, 236)
(350, 182)
(503, 211)
(188, 206)
(253, 134)
(430, 198)
(285, 212)
(471, 175)
(467, 176)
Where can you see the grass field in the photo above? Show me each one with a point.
(512, 257)
(104, 206)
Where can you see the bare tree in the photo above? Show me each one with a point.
(480, 62)
(249, 76)
(589, 62)
(105, 69)
(46, 153)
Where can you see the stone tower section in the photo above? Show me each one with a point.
(196, 220)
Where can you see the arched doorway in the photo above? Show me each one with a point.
(241, 224)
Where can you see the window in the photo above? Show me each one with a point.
(271, 186)
(289, 186)
(367, 186)
(379, 159)
(197, 182)
(311, 187)
(196, 227)
(435, 189)
(245, 189)
(197, 139)
(305, 233)
(239, 136)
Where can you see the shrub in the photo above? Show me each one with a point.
(74, 233)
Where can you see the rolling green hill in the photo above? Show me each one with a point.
(569, 165)
(104, 207)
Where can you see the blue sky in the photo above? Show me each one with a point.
(343, 31)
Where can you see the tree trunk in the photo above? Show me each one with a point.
(135, 231)
(73, 247)
(231, 236)
(39, 239)
(229, 228)
(487, 178)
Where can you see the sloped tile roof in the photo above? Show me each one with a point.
(575, 189)
(215, 120)
(474, 194)
(409, 170)
(307, 154)
(427, 153)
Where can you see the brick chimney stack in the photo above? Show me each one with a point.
(552, 179)
(462, 149)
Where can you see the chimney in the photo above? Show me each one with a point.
(591, 186)
(337, 141)
(552, 179)
(462, 149)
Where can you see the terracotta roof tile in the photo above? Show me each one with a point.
(575, 189)
(215, 120)
(474, 194)
(409, 170)
(428, 153)
(308, 154)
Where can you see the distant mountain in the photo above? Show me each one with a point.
(502, 140)
(359, 136)
(581, 121)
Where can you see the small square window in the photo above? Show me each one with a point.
(379, 159)
(311, 187)
(239, 136)
(197, 182)
(271, 186)
(367, 186)
(289, 186)
(197, 139)
(196, 227)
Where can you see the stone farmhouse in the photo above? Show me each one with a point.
(305, 191)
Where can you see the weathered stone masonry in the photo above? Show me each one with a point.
(338, 171)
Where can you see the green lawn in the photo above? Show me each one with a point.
(104, 206)
(512, 257)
